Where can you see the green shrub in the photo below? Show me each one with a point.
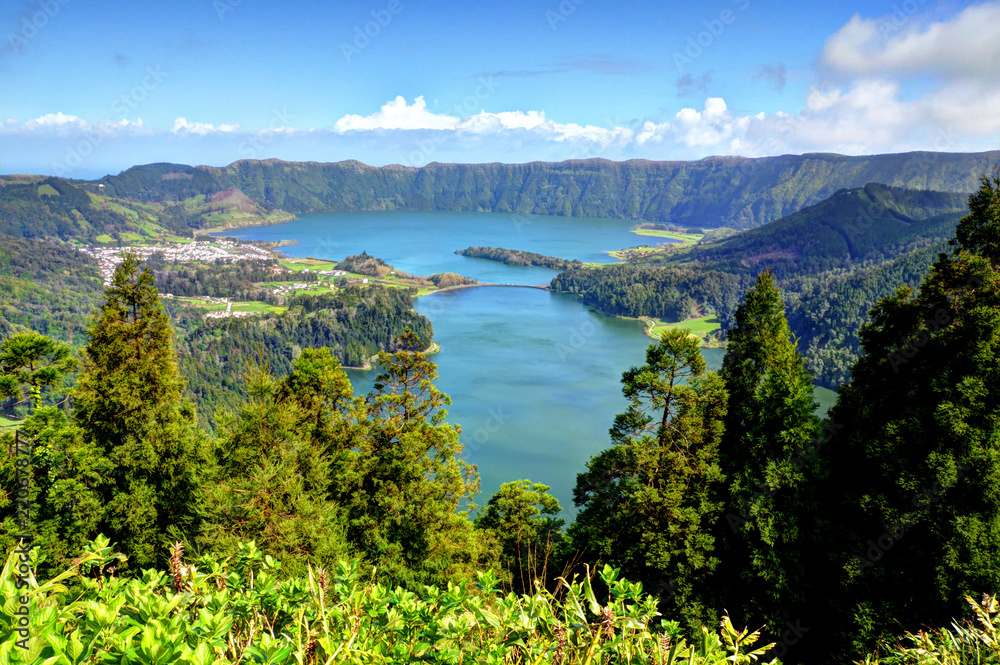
(243, 610)
(962, 644)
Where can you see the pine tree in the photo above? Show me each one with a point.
(32, 362)
(522, 518)
(128, 404)
(648, 504)
(911, 508)
(768, 456)
(410, 512)
(272, 476)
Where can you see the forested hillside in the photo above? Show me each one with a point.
(355, 323)
(54, 289)
(719, 191)
(516, 257)
(314, 524)
(46, 287)
(57, 208)
(833, 260)
(853, 225)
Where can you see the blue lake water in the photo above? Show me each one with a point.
(534, 377)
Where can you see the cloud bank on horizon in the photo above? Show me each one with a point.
(911, 79)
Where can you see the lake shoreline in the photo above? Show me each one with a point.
(370, 363)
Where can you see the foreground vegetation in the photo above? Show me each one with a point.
(722, 493)
(245, 610)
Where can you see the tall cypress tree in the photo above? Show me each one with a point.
(912, 508)
(129, 405)
(648, 504)
(410, 511)
(767, 457)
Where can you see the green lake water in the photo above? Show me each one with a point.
(534, 377)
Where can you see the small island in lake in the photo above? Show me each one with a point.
(516, 257)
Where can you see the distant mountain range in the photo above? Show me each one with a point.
(734, 192)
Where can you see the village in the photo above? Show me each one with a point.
(109, 257)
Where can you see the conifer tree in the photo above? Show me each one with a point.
(32, 362)
(128, 404)
(321, 390)
(767, 455)
(648, 504)
(410, 513)
(523, 518)
(272, 475)
(911, 508)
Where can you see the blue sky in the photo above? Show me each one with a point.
(88, 88)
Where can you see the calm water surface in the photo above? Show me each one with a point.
(534, 376)
(424, 243)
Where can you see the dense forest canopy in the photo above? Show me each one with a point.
(833, 260)
(312, 521)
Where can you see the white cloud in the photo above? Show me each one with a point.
(690, 128)
(492, 122)
(965, 46)
(182, 126)
(397, 114)
(53, 119)
(896, 83)
(63, 124)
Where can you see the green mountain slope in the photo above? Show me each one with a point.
(851, 225)
(718, 191)
(46, 287)
(32, 207)
(42, 207)
(833, 261)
